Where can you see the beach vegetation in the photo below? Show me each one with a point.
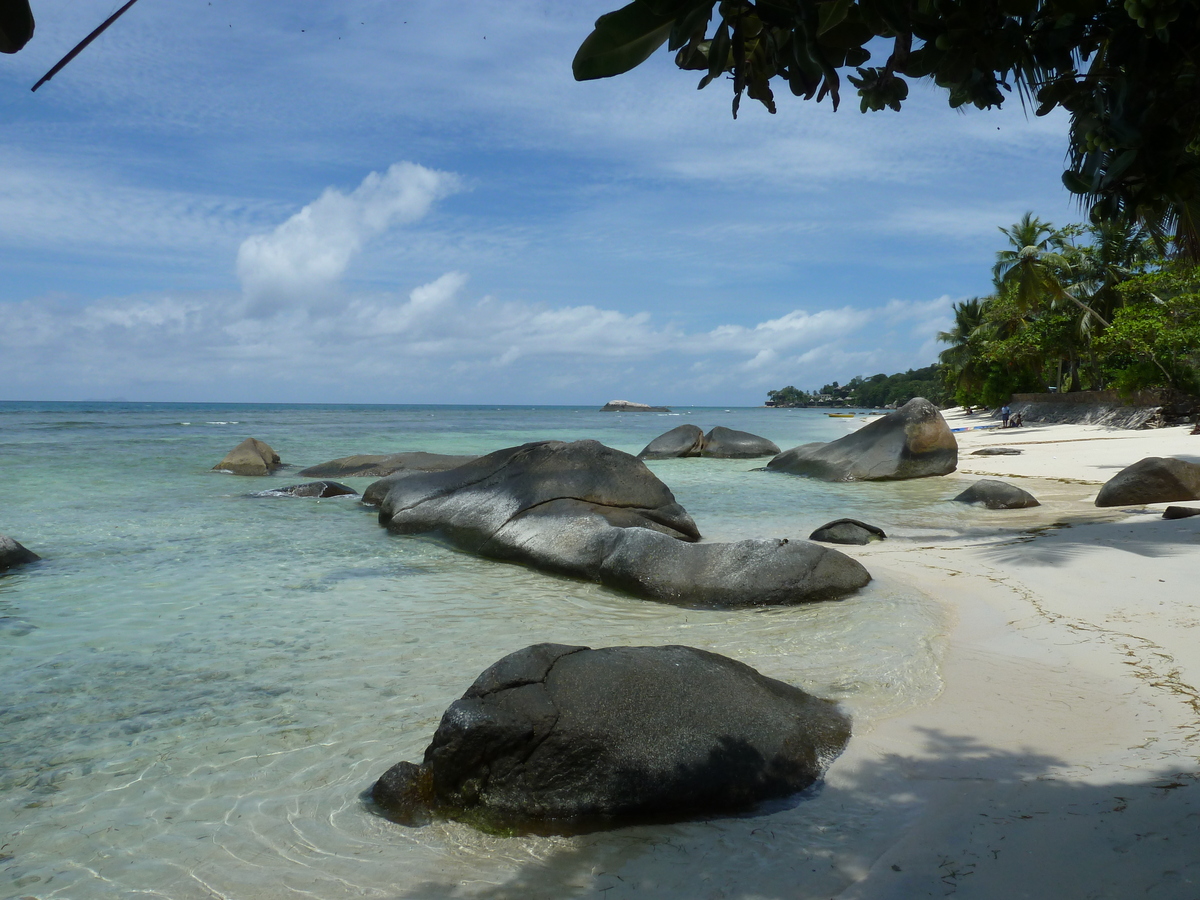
(1078, 308)
(1124, 71)
(869, 391)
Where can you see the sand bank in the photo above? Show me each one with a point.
(1061, 759)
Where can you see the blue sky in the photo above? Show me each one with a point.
(406, 202)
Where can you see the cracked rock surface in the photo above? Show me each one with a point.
(913, 441)
(589, 511)
(565, 738)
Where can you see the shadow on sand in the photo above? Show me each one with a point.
(954, 818)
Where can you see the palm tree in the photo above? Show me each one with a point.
(962, 357)
(1035, 268)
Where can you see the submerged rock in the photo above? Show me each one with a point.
(1155, 479)
(913, 441)
(250, 457)
(557, 738)
(588, 511)
(318, 489)
(996, 451)
(997, 495)
(365, 465)
(13, 553)
(847, 531)
(719, 443)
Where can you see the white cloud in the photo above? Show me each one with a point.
(303, 259)
(437, 345)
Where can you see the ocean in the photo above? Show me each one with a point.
(197, 685)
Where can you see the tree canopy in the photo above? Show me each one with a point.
(1126, 72)
(1077, 309)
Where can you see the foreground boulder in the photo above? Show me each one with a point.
(913, 441)
(847, 531)
(318, 489)
(556, 738)
(997, 495)
(720, 443)
(1180, 512)
(630, 406)
(250, 457)
(13, 553)
(366, 465)
(1155, 479)
(589, 511)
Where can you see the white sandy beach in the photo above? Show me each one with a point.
(1061, 759)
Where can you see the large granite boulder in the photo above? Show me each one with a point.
(719, 443)
(630, 406)
(686, 440)
(1155, 479)
(555, 738)
(588, 511)
(847, 531)
(317, 489)
(913, 441)
(250, 457)
(13, 553)
(728, 443)
(997, 495)
(366, 465)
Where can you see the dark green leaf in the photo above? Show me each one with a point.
(621, 41)
(16, 25)
(832, 13)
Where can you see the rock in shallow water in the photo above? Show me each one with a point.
(719, 443)
(588, 511)
(558, 738)
(997, 495)
(318, 489)
(913, 441)
(12, 553)
(1180, 512)
(379, 465)
(250, 457)
(847, 531)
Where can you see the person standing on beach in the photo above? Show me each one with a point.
(1005, 412)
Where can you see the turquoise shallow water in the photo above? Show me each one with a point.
(196, 685)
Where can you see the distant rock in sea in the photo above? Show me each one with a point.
(559, 738)
(630, 406)
(250, 457)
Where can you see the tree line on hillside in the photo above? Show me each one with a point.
(1078, 308)
(872, 392)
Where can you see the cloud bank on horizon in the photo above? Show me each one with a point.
(434, 344)
(180, 219)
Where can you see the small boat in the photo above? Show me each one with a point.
(975, 428)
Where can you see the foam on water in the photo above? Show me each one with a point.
(196, 685)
